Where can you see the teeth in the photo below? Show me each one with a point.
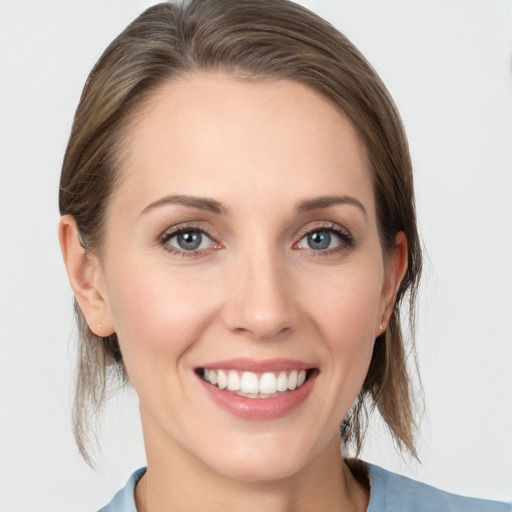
(292, 380)
(222, 380)
(251, 385)
(282, 382)
(233, 380)
(268, 383)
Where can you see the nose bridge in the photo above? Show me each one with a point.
(259, 300)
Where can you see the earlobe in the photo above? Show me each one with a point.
(86, 278)
(395, 272)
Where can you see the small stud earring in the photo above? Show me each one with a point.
(381, 328)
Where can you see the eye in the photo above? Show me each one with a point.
(187, 240)
(319, 240)
(325, 239)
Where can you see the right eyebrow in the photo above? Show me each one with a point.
(201, 203)
(326, 201)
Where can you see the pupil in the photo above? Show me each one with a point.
(319, 240)
(190, 240)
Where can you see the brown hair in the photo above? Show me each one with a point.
(251, 39)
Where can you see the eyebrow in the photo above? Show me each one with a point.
(211, 205)
(201, 203)
(326, 201)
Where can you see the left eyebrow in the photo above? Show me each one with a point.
(201, 203)
(326, 201)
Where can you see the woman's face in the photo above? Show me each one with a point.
(242, 250)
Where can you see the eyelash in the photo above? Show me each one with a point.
(168, 235)
(347, 241)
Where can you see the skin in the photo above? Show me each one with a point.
(255, 289)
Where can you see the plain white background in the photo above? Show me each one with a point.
(448, 65)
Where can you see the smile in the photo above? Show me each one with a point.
(258, 390)
(255, 385)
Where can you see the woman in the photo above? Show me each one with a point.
(239, 231)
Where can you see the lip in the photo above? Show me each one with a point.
(243, 364)
(260, 408)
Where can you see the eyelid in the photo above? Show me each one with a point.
(346, 237)
(173, 231)
(324, 225)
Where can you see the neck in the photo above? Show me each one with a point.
(179, 483)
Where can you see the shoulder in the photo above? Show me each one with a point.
(124, 500)
(389, 493)
(395, 493)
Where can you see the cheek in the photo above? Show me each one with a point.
(158, 316)
(346, 310)
(347, 302)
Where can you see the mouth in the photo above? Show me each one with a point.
(256, 385)
(258, 389)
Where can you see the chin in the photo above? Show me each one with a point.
(267, 470)
(270, 458)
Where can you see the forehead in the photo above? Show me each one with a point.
(215, 135)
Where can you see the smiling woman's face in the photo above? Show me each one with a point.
(242, 250)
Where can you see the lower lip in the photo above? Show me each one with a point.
(259, 408)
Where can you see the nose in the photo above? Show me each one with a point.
(259, 299)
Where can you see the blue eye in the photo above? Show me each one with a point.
(323, 239)
(319, 240)
(188, 240)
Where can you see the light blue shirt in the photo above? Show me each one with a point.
(389, 493)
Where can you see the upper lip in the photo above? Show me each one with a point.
(258, 366)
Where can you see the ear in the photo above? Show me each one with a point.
(86, 278)
(396, 266)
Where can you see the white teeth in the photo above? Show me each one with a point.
(222, 380)
(233, 381)
(282, 382)
(250, 383)
(268, 383)
(254, 385)
(292, 380)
